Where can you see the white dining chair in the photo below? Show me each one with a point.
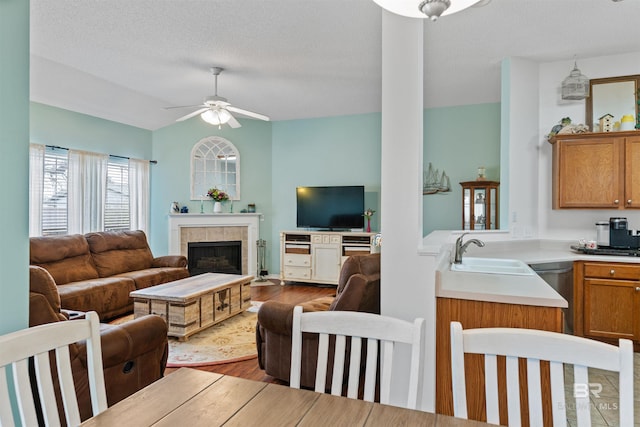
(535, 346)
(381, 333)
(18, 347)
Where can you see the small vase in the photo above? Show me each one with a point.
(217, 207)
(368, 225)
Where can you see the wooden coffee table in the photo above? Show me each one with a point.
(195, 303)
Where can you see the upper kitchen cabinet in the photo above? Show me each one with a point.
(596, 170)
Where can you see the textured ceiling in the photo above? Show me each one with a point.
(124, 60)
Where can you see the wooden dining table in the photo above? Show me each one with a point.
(190, 397)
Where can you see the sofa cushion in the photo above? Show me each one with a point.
(116, 252)
(108, 296)
(155, 276)
(66, 258)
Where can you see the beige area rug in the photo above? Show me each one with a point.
(266, 282)
(232, 340)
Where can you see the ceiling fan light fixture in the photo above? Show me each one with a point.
(216, 116)
(434, 8)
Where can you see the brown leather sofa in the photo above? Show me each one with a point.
(134, 354)
(358, 290)
(97, 271)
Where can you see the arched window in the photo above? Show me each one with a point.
(215, 162)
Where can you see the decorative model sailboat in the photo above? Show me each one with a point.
(434, 182)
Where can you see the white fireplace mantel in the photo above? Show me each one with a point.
(249, 220)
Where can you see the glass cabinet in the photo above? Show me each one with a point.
(480, 205)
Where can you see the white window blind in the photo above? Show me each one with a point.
(116, 210)
(53, 172)
(54, 200)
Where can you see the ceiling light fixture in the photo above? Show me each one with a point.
(216, 116)
(434, 8)
(431, 9)
(576, 86)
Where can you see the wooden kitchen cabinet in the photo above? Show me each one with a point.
(596, 170)
(607, 301)
(484, 314)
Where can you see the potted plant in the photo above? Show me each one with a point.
(218, 197)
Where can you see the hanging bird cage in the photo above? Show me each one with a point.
(576, 85)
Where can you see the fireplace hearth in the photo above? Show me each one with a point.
(215, 257)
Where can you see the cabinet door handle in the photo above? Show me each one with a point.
(616, 201)
(629, 201)
(637, 288)
(612, 272)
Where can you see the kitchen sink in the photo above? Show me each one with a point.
(493, 266)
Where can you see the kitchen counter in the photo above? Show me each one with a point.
(501, 288)
(540, 251)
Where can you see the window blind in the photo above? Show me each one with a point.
(54, 200)
(116, 211)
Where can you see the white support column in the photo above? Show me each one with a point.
(406, 291)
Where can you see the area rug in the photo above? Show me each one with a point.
(232, 340)
(268, 282)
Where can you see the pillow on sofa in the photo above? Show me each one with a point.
(66, 258)
(116, 252)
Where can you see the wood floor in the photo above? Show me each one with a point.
(290, 293)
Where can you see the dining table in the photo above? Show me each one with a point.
(192, 397)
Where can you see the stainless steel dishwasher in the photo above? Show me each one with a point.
(559, 275)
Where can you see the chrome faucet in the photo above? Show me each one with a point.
(462, 248)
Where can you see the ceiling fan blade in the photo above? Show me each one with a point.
(195, 113)
(248, 113)
(184, 106)
(233, 123)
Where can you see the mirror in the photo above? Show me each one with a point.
(617, 96)
(215, 162)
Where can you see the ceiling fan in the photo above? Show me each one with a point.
(216, 110)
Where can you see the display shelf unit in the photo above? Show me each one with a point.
(317, 256)
(480, 205)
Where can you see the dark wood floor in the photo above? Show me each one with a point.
(290, 293)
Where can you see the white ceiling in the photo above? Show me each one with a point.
(124, 60)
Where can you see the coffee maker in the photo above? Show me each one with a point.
(620, 237)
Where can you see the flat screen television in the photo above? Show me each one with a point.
(332, 208)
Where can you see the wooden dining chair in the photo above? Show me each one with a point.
(17, 348)
(381, 333)
(535, 346)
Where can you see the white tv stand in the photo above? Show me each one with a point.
(317, 256)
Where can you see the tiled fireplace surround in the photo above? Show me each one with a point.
(185, 228)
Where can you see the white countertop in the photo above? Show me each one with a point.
(540, 251)
(501, 288)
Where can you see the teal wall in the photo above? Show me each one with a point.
(458, 140)
(276, 157)
(14, 162)
(67, 129)
(170, 178)
(328, 151)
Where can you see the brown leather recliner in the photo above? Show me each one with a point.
(358, 290)
(134, 354)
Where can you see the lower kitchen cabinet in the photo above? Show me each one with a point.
(484, 314)
(607, 301)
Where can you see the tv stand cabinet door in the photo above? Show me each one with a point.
(325, 264)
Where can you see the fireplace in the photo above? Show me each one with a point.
(189, 228)
(215, 257)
